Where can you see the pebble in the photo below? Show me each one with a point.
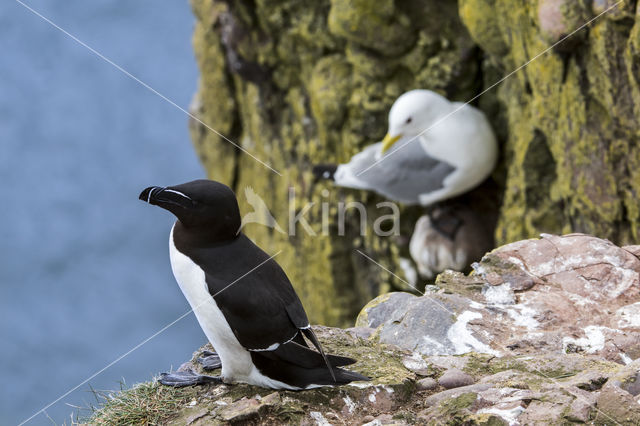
(455, 378)
(426, 384)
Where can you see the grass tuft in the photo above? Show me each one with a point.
(143, 404)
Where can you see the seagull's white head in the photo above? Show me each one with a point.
(412, 113)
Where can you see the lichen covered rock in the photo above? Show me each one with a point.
(572, 148)
(377, 25)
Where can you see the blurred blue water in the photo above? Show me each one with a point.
(84, 270)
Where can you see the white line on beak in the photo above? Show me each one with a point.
(149, 195)
(179, 193)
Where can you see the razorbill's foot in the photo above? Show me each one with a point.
(209, 361)
(179, 379)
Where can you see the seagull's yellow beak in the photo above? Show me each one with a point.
(388, 142)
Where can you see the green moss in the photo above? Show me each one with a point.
(329, 92)
(479, 364)
(487, 420)
(539, 371)
(481, 19)
(465, 400)
(376, 25)
(367, 63)
(382, 363)
(455, 410)
(214, 104)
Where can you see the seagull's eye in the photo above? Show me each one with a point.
(408, 120)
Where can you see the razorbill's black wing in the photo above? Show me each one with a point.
(261, 307)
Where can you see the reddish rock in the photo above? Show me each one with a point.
(615, 403)
(573, 293)
(241, 410)
(559, 18)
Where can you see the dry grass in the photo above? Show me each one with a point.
(143, 404)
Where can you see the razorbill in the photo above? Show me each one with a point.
(434, 150)
(241, 297)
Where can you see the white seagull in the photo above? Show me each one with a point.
(434, 150)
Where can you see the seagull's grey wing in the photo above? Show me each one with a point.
(348, 175)
(406, 172)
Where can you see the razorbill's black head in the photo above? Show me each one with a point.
(205, 206)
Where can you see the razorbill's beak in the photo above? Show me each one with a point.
(146, 193)
(165, 197)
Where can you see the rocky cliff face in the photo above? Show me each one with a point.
(298, 83)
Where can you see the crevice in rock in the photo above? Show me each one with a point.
(236, 132)
(540, 169)
(593, 385)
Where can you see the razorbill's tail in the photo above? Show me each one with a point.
(324, 171)
(299, 366)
